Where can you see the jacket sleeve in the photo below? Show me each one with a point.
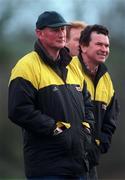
(109, 124)
(89, 107)
(22, 108)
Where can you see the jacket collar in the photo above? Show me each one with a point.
(102, 69)
(63, 60)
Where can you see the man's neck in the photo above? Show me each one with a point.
(91, 67)
(52, 53)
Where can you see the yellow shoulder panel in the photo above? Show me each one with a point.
(75, 75)
(28, 69)
(105, 90)
(32, 69)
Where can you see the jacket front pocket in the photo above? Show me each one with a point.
(63, 140)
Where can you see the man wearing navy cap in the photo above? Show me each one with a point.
(49, 101)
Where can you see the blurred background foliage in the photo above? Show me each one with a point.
(17, 39)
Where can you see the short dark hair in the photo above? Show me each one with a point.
(85, 36)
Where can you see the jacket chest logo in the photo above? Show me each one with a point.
(104, 106)
(78, 88)
(55, 89)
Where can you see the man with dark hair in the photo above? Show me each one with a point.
(49, 101)
(94, 50)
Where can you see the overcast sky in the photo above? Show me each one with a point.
(26, 14)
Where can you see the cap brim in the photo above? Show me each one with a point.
(59, 25)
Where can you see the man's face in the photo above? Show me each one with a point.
(98, 49)
(73, 42)
(53, 38)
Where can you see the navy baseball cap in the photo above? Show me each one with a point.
(50, 19)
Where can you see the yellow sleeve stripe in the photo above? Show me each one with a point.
(97, 141)
(86, 124)
(61, 124)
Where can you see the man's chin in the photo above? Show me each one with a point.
(60, 47)
(100, 61)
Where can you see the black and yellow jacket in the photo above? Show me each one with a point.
(106, 106)
(44, 94)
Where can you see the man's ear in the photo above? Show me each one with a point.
(38, 33)
(83, 48)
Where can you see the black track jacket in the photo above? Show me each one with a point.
(106, 105)
(43, 93)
